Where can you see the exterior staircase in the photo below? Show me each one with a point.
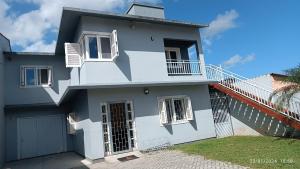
(254, 94)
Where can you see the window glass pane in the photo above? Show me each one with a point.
(129, 116)
(104, 118)
(43, 76)
(105, 128)
(167, 55)
(169, 110)
(103, 107)
(128, 106)
(93, 49)
(131, 133)
(179, 109)
(173, 56)
(106, 147)
(192, 51)
(30, 76)
(105, 137)
(105, 47)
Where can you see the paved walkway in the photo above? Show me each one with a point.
(154, 160)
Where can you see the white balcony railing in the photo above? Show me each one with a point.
(184, 67)
(253, 90)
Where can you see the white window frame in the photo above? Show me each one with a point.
(37, 77)
(173, 49)
(84, 39)
(173, 120)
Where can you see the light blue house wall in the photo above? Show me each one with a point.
(4, 46)
(149, 131)
(81, 138)
(35, 95)
(141, 59)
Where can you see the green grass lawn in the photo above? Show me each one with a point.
(254, 152)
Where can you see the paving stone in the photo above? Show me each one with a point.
(168, 159)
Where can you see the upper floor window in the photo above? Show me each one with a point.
(32, 76)
(98, 47)
(92, 46)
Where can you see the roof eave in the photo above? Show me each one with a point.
(87, 12)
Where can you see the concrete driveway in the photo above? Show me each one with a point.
(155, 160)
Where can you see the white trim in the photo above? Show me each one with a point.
(174, 49)
(85, 35)
(108, 123)
(37, 75)
(18, 139)
(173, 120)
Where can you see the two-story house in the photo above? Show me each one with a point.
(116, 83)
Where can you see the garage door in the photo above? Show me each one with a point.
(41, 135)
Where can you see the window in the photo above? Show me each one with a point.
(173, 54)
(98, 47)
(175, 109)
(93, 47)
(36, 76)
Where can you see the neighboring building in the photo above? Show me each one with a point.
(4, 47)
(132, 82)
(272, 82)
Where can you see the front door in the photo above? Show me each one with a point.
(119, 128)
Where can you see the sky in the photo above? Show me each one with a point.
(248, 37)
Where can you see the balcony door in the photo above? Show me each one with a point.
(172, 54)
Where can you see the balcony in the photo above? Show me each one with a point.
(183, 67)
(182, 57)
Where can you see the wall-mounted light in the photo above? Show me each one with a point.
(146, 91)
(152, 38)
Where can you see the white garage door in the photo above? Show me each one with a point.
(41, 135)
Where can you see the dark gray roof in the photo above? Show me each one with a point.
(7, 40)
(28, 54)
(70, 18)
(158, 6)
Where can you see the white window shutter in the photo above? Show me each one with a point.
(189, 110)
(114, 45)
(22, 76)
(73, 52)
(71, 123)
(162, 111)
(49, 76)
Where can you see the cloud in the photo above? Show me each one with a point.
(31, 28)
(37, 46)
(219, 25)
(237, 59)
